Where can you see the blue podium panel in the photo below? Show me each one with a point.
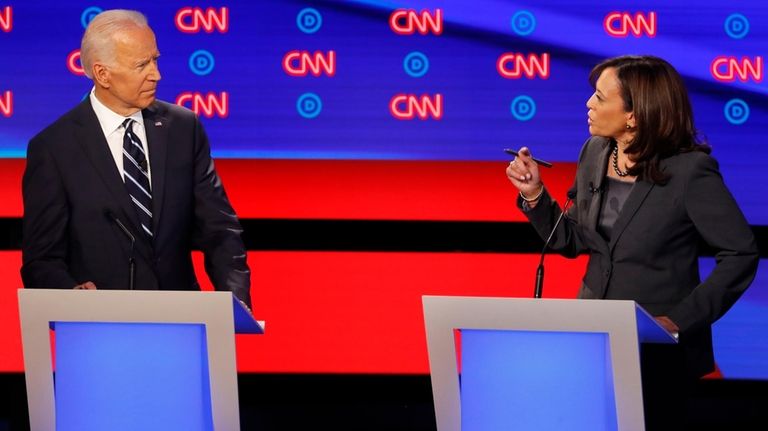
(131, 376)
(528, 380)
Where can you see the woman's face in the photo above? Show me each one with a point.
(607, 116)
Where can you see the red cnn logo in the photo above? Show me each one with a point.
(6, 104)
(408, 21)
(302, 63)
(193, 19)
(727, 69)
(621, 24)
(207, 105)
(515, 66)
(6, 19)
(410, 106)
(73, 63)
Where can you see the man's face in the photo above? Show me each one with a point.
(132, 79)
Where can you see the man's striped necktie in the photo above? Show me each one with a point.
(135, 169)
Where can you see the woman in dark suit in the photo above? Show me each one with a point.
(647, 193)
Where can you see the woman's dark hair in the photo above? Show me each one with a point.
(653, 90)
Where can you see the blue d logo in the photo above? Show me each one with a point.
(309, 105)
(736, 26)
(309, 20)
(736, 111)
(201, 62)
(523, 108)
(89, 14)
(416, 64)
(523, 23)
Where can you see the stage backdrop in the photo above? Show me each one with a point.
(399, 111)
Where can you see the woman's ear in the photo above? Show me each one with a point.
(631, 123)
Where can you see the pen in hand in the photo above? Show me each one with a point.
(538, 161)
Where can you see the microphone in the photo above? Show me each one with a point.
(131, 261)
(540, 269)
(593, 189)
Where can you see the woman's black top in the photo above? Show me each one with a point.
(614, 195)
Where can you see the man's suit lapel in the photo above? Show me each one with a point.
(156, 127)
(90, 137)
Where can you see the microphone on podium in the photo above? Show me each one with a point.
(131, 261)
(540, 269)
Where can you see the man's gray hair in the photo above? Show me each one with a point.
(98, 43)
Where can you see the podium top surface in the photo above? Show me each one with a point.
(578, 315)
(140, 306)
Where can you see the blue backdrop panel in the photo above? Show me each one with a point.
(741, 336)
(137, 376)
(525, 380)
(278, 109)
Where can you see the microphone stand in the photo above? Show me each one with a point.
(540, 269)
(131, 260)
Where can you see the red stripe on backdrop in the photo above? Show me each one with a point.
(10, 329)
(337, 312)
(343, 312)
(11, 171)
(354, 189)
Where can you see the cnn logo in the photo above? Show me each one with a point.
(728, 69)
(303, 63)
(208, 105)
(622, 24)
(410, 106)
(407, 22)
(194, 19)
(516, 66)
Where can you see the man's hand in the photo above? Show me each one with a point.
(88, 285)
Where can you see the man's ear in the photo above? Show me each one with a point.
(101, 75)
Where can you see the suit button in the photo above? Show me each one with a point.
(607, 273)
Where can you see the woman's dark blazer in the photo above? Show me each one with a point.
(652, 257)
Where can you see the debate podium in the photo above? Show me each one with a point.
(537, 364)
(132, 360)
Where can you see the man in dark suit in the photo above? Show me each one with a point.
(124, 177)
